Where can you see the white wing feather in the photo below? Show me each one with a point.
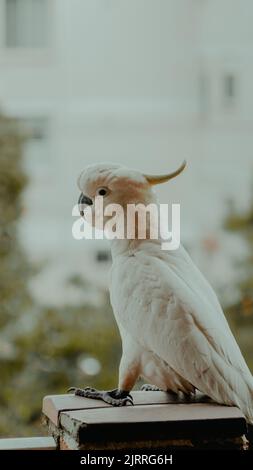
(166, 304)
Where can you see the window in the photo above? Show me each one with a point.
(37, 145)
(35, 128)
(229, 89)
(103, 256)
(26, 23)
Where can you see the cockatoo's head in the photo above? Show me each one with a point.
(118, 185)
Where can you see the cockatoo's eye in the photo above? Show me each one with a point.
(102, 192)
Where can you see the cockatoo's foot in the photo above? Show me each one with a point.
(113, 397)
(150, 388)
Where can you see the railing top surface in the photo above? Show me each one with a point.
(28, 443)
(166, 414)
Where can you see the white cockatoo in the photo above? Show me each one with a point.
(173, 330)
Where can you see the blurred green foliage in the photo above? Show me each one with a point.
(240, 315)
(40, 348)
(14, 268)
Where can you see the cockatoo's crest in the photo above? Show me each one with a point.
(123, 184)
(158, 179)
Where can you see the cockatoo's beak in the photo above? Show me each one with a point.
(157, 179)
(83, 200)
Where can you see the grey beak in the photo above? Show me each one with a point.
(84, 201)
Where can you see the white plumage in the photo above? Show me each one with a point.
(173, 330)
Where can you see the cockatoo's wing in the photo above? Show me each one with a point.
(163, 300)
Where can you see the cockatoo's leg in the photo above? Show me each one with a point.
(113, 397)
(129, 370)
(128, 374)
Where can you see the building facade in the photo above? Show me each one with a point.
(143, 83)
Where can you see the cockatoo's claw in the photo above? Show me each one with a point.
(118, 397)
(113, 397)
(108, 398)
(78, 391)
(150, 388)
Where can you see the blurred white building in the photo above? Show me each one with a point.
(144, 83)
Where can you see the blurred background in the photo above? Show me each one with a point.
(143, 83)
